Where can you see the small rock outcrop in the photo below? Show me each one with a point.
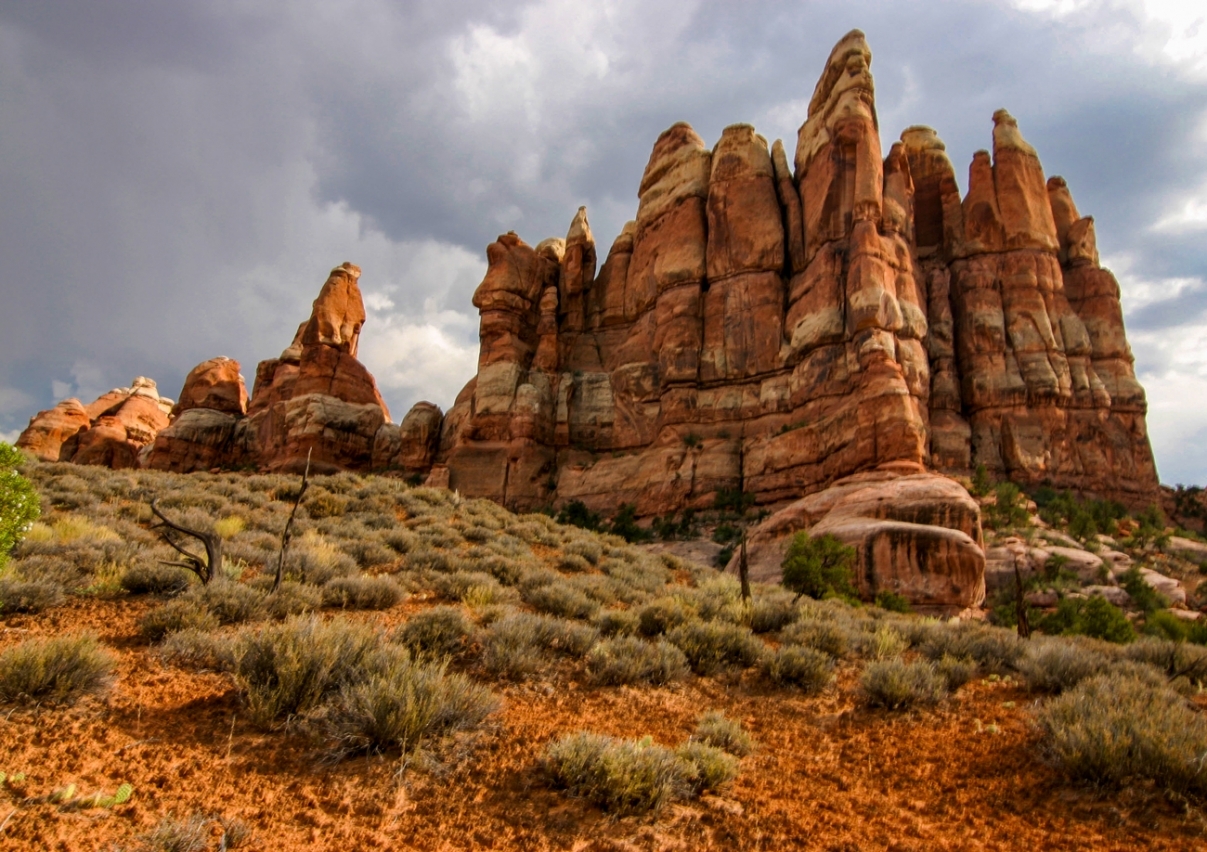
(113, 431)
(202, 431)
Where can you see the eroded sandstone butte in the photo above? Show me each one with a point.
(777, 328)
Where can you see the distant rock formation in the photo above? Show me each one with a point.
(113, 431)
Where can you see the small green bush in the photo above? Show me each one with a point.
(362, 592)
(826, 636)
(149, 578)
(806, 668)
(898, 685)
(711, 645)
(708, 767)
(621, 776)
(1163, 624)
(19, 503)
(617, 622)
(402, 703)
(229, 601)
(657, 617)
(893, 602)
(30, 596)
(716, 729)
(54, 670)
(1144, 597)
(819, 567)
(1059, 665)
(1095, 617)
(627, 659)
(561, 599)
(439, 631)
(288, 669)
(176, 615)
(1112, 728)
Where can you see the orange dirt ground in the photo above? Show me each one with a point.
(827, 775)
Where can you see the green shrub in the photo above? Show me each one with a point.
(819, 567)
(19, 503)
(54, 670)
(576, 513)
(617, 622)
(149, 578)
(1144, 597)
(711, 645)
(716, 729)
(289, 669)
(561, 599)
(621, 776)
(806, 668)
(898, 685)
(292, 598)
(627, 659)
(230, 602)
(771, 615)
(439, 631)
(1112, 728)
(1095, 617)
(1057, 666)
(29, 595)
(994, 649)
(176, 615)
(955, 671)
(708, 768)
(657, 617)
(893, 602)
(1163, 624)
(1007, 509)
(362, 592)
(826, 636)
(198, 649)
(402, 703)
(624, 524)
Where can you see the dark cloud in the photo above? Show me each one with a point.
(178, 177)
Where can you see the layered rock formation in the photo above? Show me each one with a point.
(112, 431)
(315, 402)
(776, 330)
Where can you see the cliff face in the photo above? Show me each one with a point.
(776, 330)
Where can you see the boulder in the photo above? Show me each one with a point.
(215, 384)
(49, 430)
(916, 535)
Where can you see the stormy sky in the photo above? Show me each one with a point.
(178, 178)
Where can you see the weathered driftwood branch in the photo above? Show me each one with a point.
(288, 533)
(207, 567)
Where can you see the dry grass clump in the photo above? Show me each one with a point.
(561, 599)
(475, 588)
(175, 834)
(634, 776)
(994, 649)
(898, 685)
(174, 616)
(1112, 728)
(617, 622)
(716, 729)
(291, 598)
(362, 592)
(627, 659)
(439, 631)
(663, 615)
(51, 569)
(289, 669)
(228, 601)
(955, 671)
(1177, 660)
(31, 596)
(712, 645)
(402, 702)
(773, 614)
(149, 578)
(587, 548)
(192, 648)
(805, 668)
(828, 637)
(1057, 665)
(515, 645)
(54, 670)
(315, 560)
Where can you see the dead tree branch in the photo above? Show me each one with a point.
(288, 533)
(207, 567)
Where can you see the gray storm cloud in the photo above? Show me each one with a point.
(178, 178)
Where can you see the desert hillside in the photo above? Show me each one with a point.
(437, 672)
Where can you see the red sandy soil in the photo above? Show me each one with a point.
(827, 775)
